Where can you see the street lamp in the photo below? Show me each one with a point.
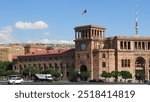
(79, 75)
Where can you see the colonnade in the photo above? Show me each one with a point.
(89, 33)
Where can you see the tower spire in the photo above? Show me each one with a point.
(136, 24)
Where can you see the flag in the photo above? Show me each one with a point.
(84, 12)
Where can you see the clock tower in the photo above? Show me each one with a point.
(86, 38)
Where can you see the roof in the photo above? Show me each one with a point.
(90, 26)
(133, 38)
(46, 52)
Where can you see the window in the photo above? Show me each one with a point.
(125, 62)
(135, 45)
(148, 45)
(103, 64)
(87, 55)
(143, 45)
(139, 46)
(121, 45)
(129, 45)
(103, 55)
(125, 45)
(128, 63)
(50, 65)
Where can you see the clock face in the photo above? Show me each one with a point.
(83, 46)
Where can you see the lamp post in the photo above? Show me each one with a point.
(79, 76)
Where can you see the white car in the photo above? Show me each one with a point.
(15, 80)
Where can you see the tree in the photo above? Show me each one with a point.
(74, 76)
(84, 75)
(115, 75)
(30, 71)
(4, 66)
(140, 76)
(49, 71)
(56, 75)
(106, 75)
(11, 72)
(2, 72)
(126, 75)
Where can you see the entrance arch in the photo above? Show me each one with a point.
(140, 62)
(140, 65)
(83, 68)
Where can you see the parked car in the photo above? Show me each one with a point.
(15, 80)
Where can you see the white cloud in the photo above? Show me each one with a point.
(29, 25)
(5, 35)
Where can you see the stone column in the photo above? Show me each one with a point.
(64, 71)
(91, 33)
(75, 35)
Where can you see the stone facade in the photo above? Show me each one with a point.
(7, 52)
(62, 60)
(31, 48)
(96, 53)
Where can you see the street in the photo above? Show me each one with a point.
(70, 83)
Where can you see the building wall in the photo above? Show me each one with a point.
(7, 52)
(62, 61)
(31, 48)
(121, 52)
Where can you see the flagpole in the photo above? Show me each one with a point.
(84, 13)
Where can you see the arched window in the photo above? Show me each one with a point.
(44, 64)
(25, 66)
(50, 65)
(34, 65)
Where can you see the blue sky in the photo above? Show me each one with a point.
(51, 20)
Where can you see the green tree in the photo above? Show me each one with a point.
(115, 75)
(11, 72)
(56, 75)
(106, 75)
(30, 71)
(4, 66)
(3, 72)
(49, 71)
(84, 75)
(126, 75)
(140, 76)
(74, 76)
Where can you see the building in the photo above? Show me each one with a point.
(7, 52)
(31, 48)
(60, 59)
(94, 53)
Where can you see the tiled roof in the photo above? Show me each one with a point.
(46, 52)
